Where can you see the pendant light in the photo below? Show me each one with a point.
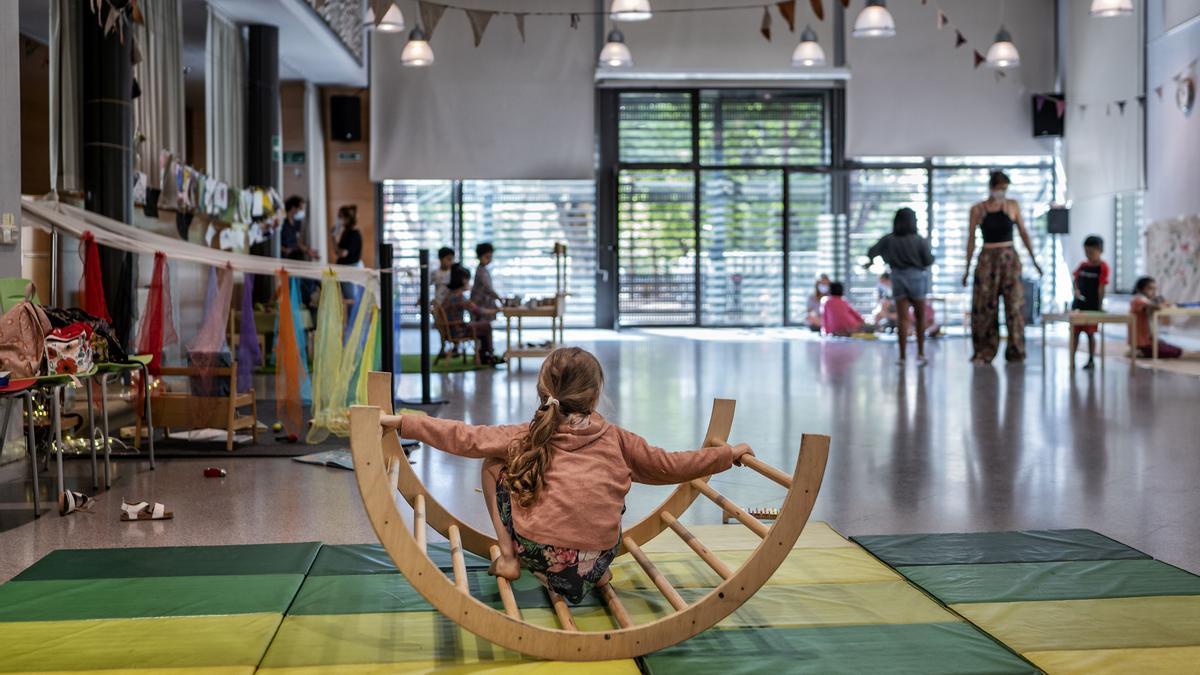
(1003, 53)
(808, 53)
(1109, 8)
(615, 53)
(630, 10)
(417, 51)
(393, 20)
(874, 21)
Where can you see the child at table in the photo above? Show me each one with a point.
(1089, 281)
(1145, 303)
(477, 324)
(555, 486)
(837, 316)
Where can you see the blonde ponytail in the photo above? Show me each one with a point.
(569, 383)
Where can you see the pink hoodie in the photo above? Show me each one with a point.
(592, 466)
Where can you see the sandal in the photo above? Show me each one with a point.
(144, 511)
(71, 501)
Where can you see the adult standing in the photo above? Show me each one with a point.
(907, 254)
(291, 241)
(349, 246)
(997, 273)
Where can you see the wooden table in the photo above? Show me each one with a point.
(1087, 318)
(555, 311)
(1168, 312)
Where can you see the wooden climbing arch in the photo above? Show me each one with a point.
(381, 469)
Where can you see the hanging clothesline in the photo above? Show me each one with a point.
(51, 215)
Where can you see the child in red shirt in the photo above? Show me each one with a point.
(1144, 304)
(1089, 280)
(837, 316)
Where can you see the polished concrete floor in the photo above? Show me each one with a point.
(948, 447)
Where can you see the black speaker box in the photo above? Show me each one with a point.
(1046, 120)
(1058, 220)
(345, 118)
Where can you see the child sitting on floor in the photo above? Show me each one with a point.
(555, 487)
(1145, 303)
(1089, 280)
(837, 316)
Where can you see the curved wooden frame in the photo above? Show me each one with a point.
(379, 394)
(374, 482)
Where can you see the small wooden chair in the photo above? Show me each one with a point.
(445, 328)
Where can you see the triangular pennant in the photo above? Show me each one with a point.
(479, 19)
(978, 58)
(1121, 106)
(1142, 100)
(378, 8)
(765, 28)
(1039, 101)
(846, 4)
(959, 40)
(1082, 108)
(431, 14)
(818, 8)
(520, 19)
(1060, 107)
(1158, 90)
(574, 21)
(787, 9)
(941, 20)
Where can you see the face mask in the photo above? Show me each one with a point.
(999, 194)
(299, 215)
(824, 288)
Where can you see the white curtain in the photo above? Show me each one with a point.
(158, 114)
(314, 143)
(65, 159)
(224, 100)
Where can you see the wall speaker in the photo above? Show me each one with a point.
(1058, 220)
(1046, 120)
(345, 118)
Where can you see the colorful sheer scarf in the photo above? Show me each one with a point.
(92, 281)
(339, 367)
(157, 328)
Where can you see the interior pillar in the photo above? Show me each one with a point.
(262, 129)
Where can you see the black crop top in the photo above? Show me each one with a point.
(997, 226)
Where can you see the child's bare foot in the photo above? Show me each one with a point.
(509, 568)
(604, 579)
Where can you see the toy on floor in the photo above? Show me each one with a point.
(214, 472)
(144, 511)
(381, 469)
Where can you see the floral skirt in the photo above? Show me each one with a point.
(570, 572)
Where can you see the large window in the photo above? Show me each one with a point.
(522, 218)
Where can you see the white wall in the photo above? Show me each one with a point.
(1173, 140)
(915, 94)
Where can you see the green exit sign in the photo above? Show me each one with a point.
(293, 157)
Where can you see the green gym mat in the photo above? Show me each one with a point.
(995, 547)
(172, 561)
(344, 559)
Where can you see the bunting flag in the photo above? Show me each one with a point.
(1082, 108)
(941, 20)
(978, 58)
(959, 40)
(92, 281)
(818, 8)
(479, 19)
(1038, 102)
(787, 10)
(574, 21)
(846, 4)
(431, 14)
(520, 19)
(157, 329)
(1141, 99)
(765, 28)
(1121, 106)
(1060, 107)
(1159, 90)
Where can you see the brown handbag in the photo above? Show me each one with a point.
(23, 332)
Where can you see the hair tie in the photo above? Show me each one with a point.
(550, 400)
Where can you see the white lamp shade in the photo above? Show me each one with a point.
(393, 20)
(874, 21)
(630, 10)
(615, 53)
(1003, 53)
(369, 18)
(1107, 8)
(808, 53)
(417, 51)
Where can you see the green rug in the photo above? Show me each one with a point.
(411, 363)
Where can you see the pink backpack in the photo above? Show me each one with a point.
(23, 331)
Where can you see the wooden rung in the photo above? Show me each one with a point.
(419, 521)
(456, 559)
(737, 511)
(394, 472)
(657, 577)
(615, 607)
(506, 593)
(560, 608)
(767, 470)
(701, 550)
